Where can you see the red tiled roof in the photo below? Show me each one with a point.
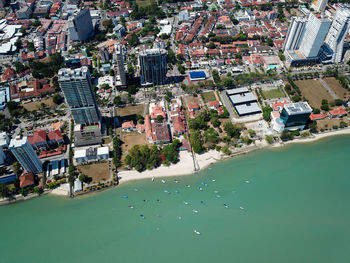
(37, 137)
(26, 180)
(193, 106)
(278, 105)
(160, 132)
(55, 135)
(319, 116)
(128, 124)
(156, 111)
(214, 103)
(338, 112)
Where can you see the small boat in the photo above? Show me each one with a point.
(125, 196)
(247, 182)
(179, 217)
(188, 186)
(186, 203)
(210, 168)
(199, 188)
(197, 232)
(152, 179)
(225, 205)
(136, 190)
(195, 211)
(176, 191)
(131, 206)
(241, 207)
(142, 216)
(213, 180)
(166, 191)
(216, 191)
(163, 181)
(204, 183)
(176, 181)
(158, 200)
(202, 202)
(218, 196)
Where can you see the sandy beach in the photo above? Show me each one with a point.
(184, 167)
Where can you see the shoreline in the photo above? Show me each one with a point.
(186, 166)
(175, 169)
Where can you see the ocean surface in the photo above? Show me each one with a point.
(290, 204)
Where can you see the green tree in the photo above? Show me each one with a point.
(133, 40)
(267, 113)
(232, 130)
(160, 118)
(16, 167)
(4, 190)
(117, 100)
(270, 139)
(57, 99)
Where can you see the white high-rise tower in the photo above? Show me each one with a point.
(295, 34)
(319, 5)
(315, 32)
(336, 34)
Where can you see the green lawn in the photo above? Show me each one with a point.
(208, 96)
(143, 2)
(273, 94)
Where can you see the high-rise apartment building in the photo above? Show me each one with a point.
(319, 5)
(25, 154)
(81, 27)
(315, 31)
(77, 89)
(119, 56)
(153, 66)
(337, 32)
(295, 34)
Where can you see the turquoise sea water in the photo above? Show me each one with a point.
(296, 204)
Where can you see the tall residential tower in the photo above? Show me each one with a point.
(119, 56)
(80, 28)
(295, 34)
(319, 5)
(25, 154)
(336, 34)
(315, 32)
(77, 89)
(153, 66)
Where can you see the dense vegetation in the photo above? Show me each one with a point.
(142, 157)
(47, 69)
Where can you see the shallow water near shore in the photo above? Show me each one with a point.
(287, 204)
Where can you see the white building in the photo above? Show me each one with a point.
(315, 32)
(91, 154)
(319, 5)
(295, 33)
(184, 15)
(337, 32)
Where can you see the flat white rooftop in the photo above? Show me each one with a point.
(243, 98)
(237, 91)
(249, 108)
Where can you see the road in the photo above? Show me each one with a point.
(227, 104)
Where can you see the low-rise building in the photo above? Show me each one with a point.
(128, 126)
(244, 101)
(91, 154)
(337, 113)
